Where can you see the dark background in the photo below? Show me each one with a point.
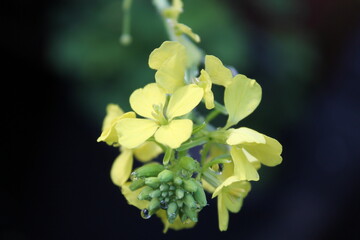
(56, 181)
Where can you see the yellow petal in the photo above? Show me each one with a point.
(170, 75)
(205, 84)
(223, 214)
(175, 133)
(268, 154)
(112, 112)
(242, 167)
(184, 29)
(177, 225)
(244, 135)
(142, 100)
(241, 98)
(131, 196)
(121, 168)
(228, 182)
(184, 100)
(147, 151)
(218, 73)
(167, 50)
(134, 132)
(109, 134)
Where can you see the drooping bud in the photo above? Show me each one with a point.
(190, 201)
(191, 213)
(200, 196)
(172, 212)
(154, 205)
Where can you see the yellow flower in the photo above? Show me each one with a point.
(170, 62)
(231, 194)
(122, 166)
(150, 102)
(250, 149)
(229, 188)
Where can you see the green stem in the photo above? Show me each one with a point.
(211, 178)
(213, 114)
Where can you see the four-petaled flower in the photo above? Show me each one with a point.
(160, 116)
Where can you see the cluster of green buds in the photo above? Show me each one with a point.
(173, 188)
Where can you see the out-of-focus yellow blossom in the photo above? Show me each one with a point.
(230, 194)
(122, 166)
(150, 102)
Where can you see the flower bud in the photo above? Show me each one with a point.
(172, 212)
(190, 201)
(178, 181)
(144, 194)
(200, 196)
(152, 182)
(191, 213)
(155, 194)
(148, 170)
(179, 193)
(166, 176)
(164, 187)
(188, 163)
(190, 185)
(137, 184)
(154, 205)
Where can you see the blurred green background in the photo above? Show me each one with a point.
(66, 64)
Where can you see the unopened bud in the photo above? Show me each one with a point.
(166, 176)
(152, 182)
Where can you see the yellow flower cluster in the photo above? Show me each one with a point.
(164, 121)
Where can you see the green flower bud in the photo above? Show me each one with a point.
(190, 185)
(148, 170)
(166, 176)
(155, 193)
(191, 213)
(152, 182)
(137, 184)
(190, 201)
(200, 196)
(180, 203)
(172, 212)
(154, 205)
(172, 188)
(178, 181)
(164, 187)
(164, 194)
(179, 193)
(188, 163)
(144, 194)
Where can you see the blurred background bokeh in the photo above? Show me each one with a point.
(66, 65)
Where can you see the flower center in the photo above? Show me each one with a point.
(159, 115)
